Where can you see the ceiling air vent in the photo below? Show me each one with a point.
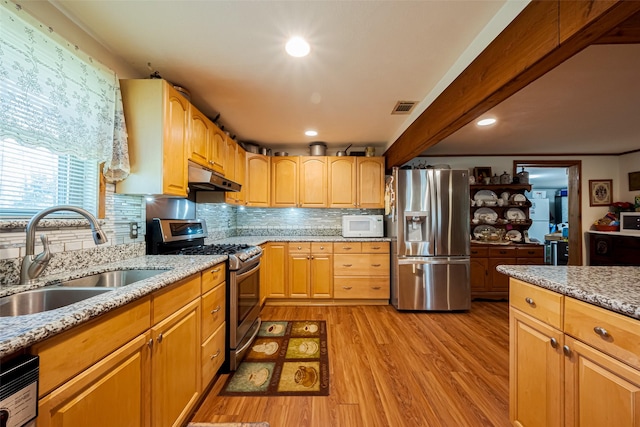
(403, 107)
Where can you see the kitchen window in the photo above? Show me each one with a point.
(32, 179)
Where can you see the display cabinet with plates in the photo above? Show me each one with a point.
(499, 213)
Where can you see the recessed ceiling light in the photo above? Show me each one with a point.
(298, 47)
(485, 122)
(311, 133)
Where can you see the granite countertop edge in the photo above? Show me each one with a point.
(259, 240)
(613, 288)
(20, 332)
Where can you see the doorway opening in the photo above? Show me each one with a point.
(574, 209)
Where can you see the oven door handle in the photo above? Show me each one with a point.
(250, 340)
(248, 273)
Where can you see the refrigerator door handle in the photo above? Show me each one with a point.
(434, 260)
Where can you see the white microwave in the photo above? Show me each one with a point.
(362, 226)
(630, 222)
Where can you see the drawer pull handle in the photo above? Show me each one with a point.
(375, 265)
(346, 248)
(530, 301)
(160, 338)
(503, 252)
(375, 247)
(215, 270)
(566, 350)
(347, 265)
(602, 332)
(553, 342)
(213, 356)
(530, 252)
(347, 288)
(215, 310)
(376, 288)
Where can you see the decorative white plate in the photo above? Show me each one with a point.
(478, 230)
(519, 198)
(484, 214)
(515, 214)
(485, 195)
(514, 235)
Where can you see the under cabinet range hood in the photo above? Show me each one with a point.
(207, 180)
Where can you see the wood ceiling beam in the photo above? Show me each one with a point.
(626, 33)
(540, 38)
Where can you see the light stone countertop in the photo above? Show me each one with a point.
(259, 240)
(20, 332)
(613, 288)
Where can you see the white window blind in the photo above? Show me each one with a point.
(32, 179)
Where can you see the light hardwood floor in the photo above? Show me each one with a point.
(392, 369)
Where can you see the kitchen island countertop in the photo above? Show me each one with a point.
(613, 288)
(19, 332)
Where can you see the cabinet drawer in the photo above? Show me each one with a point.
(300, 247)
(612, 333)
(375, 247)
(361, 265)
(321, 248)
(502, 252)
(361, 288)
(479, 252)
(347, 248)
(532, 252)
(213, 277)
(212, 355)
(170, 299)
(213, 310)
(540, 303)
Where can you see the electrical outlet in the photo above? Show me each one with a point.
(229, 222)
(133, 230)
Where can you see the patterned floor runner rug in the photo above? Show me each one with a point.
(288, 358)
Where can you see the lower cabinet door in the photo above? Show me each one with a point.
(535, 372)
(322, 276)
(600, 390)
(113, 392)
(175, 366)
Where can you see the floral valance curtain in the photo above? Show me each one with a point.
(56, 97)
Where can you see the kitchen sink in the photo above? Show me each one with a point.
(111, 279)
(45, 299)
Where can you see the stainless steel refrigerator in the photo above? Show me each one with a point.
(429, 228)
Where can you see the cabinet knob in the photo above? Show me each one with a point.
(160, 338)
(299, 247)
(150, 343)
(530, 301)
(215, 310)
(213, 356)
(311, 256)
(322, 248)
(602, 332)
(566, 350)
(553, 342)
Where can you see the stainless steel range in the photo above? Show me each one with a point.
(186, 237)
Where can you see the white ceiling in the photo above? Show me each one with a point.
(366, 56)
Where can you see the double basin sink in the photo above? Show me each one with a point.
(70, 291)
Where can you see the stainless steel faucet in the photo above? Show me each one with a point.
(34, 265)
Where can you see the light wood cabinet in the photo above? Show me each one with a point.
(144, 364)
(361, 270)
(113, 392)
(356, 182)
(175, 366)
(218, 153)
(274, 263)
(313, 182)
(157, 124)
(258, 183)
(284, 181)
(310, 272)
(200, 131)
(235, 171)
(571, 363)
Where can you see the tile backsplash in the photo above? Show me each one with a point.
(72, 246)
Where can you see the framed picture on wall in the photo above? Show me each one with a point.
(600, 192)
(634, 181)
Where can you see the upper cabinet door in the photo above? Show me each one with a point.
(176, 126)
(199, 137)
(342, 181)
(284, 181)
(258, 183)
(370, 182)
(313, 182)
(218, 150)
